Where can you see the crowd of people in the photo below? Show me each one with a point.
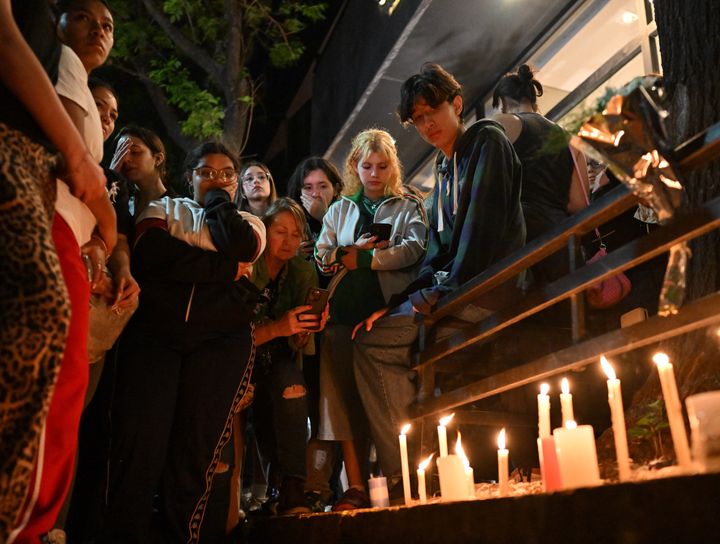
(298, 312)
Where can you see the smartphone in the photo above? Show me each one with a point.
(380, 230)
(317, 298)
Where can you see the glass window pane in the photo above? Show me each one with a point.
(603, 36)
(632, 69)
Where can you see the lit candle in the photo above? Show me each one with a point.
(566, 404)
(422, 492)
(576, 455)
(469, 473)
(544, 411)
(453, 479)
(617, 415)
(503, 475)
(404, 463)
(442, 434)
(673, 408)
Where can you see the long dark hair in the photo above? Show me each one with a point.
(240, 200)
(520, 86)
(295, 184)
(152, 141)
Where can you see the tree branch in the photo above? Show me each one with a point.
(167, 114)
(190, 50)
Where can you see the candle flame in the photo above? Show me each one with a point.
(460, 452)
(571, 424)
(565, 386)
(445, 420)
(607, 367)
(426, 462)
(501, 439)
(405, 428)
(661, 359)
(544, 388)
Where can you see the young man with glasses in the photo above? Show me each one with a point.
(475, 220)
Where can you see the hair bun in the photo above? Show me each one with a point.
(525, 72)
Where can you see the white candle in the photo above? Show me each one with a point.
(422, 491)
(453, 480)
(442, 434)
(503, 474)
(617, 415)
(673, 409)
(404, 463)
(566, 403)
(576, 455)
(469, 473)
(544, 411)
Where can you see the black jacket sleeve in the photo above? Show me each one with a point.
(158, 255)
(233, 237)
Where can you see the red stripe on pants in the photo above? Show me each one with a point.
(63, 420)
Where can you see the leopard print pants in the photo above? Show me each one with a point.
(34, 313)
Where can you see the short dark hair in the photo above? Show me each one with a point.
(152, 141)
(295, 184)
(95, 82)
(520, 86)
(207, 148)
(434, 84)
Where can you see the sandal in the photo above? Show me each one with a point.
(352, 499)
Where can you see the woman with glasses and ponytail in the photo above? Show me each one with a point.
(186, 357)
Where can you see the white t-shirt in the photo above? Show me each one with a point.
(72, 85)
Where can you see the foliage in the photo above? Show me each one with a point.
(194, 54)
(649, 427)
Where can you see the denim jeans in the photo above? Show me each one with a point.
(386, 383)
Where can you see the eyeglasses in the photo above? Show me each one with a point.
(208, 172)
(261, 177)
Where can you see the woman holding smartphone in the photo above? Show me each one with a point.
(367, 268)
(284, 333)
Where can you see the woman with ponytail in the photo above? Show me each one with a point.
(551, 184)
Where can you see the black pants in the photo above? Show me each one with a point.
(172, 415)
(280, 412)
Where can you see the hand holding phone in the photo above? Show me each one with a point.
(318, 299)
(381, 231)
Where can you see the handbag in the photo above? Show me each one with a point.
(610, 291)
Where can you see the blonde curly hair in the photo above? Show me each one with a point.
(370, 141)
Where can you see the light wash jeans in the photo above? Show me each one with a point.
(386, 383)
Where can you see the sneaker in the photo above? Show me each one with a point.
(352, 499)
(292, 498)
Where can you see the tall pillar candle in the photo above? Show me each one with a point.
(617, 415)
(673, 409)
(503, 472)
(442, 434)
(566, 403)
(422, 490)
(453, 481)
(576, 455)
(404, 463)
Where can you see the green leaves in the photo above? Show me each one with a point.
(203, 109)
(184, 46)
